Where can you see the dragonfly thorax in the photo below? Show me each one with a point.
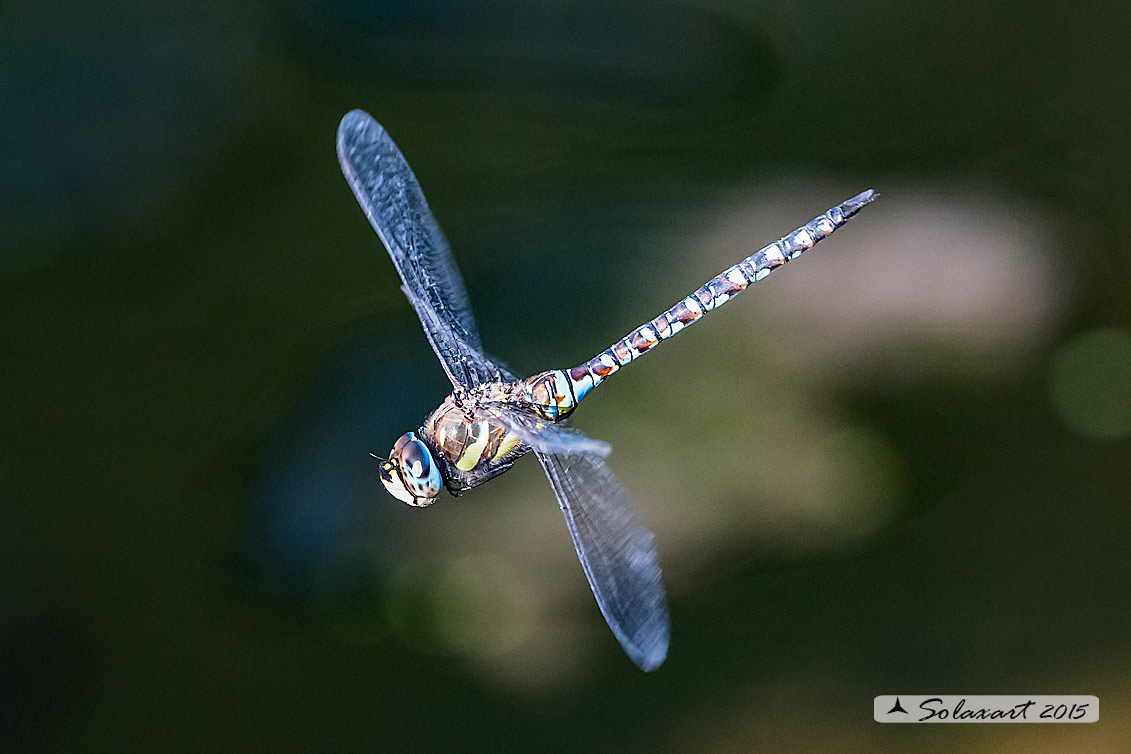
(411, 474)
(470, 440)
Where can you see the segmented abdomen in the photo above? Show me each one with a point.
(556, 393)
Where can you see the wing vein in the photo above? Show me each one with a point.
(393, 201)
(616, 553)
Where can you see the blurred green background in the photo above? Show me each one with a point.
(900, 465)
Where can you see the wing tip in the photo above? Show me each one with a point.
(353, 123)
(599, 448)
(651, 662)
(648, 657)
(353, 117)
(647, 645)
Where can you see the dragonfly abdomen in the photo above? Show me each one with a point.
(555, 394)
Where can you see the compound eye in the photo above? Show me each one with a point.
(416, 460)
(403, 440)
(417, 474)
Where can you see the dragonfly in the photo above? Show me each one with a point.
(492, 418)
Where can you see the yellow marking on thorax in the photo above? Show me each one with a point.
(478, 433)
(508, 443)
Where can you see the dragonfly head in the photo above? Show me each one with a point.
(411, 474)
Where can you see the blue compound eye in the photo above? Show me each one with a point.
(411, 474)
(416, 461)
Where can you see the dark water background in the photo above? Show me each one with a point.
(900, 465)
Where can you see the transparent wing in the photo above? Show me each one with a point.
(616, 553)
(539, 434)
(391, 197)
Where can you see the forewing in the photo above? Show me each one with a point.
(616, 553)
(391, 197)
